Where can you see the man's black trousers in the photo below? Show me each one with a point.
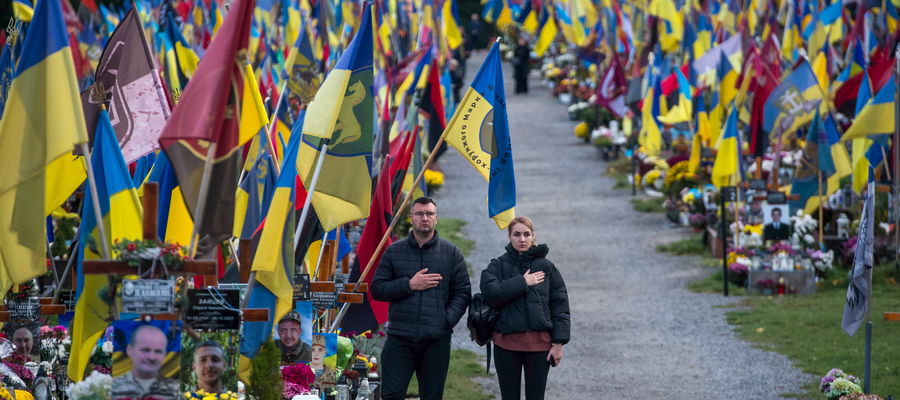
(510, 364)
(401, 357)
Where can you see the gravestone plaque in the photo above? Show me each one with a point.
(148, 296)
(301, 287)
(729, 193)
(776, 198)
(213, 309)
(242, 287)
(758, 184)
(23, 309)
(324, 300)
(67, 297)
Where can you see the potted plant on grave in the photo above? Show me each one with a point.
(837, 384)
(766, 285)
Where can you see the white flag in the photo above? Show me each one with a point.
(858, 291)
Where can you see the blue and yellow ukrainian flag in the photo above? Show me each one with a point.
(173, 221)
(6, 74)
(479, 130)
(861, 145)
(726, 170)
(546, 37)
(794, 102)
(274, 260)
(121, 217)
(254, 194)
(42, 122)
(877, 117)
(341, 116)
(823, 155)
(23, 10)
(683, 111)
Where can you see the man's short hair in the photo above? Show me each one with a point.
(210, 343)
(134, 333)
(424, 200)
(775, 209)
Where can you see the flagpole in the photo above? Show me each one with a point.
(65, 271)
(821, 219)
(319, 258)
(309, 193)
(896, 161)
(201, 199)
(92, 182)
(271, 127)
(387, 233)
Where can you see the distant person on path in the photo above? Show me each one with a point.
(425, 280)
(473, 30)
(521, 62)
(533, 325)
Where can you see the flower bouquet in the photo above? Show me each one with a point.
(200, 394)
(136, 252)
(837, 383)
(97, 386)
(297, 378)
(55, 343)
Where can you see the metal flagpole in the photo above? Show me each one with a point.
(66, 271)
(309, 193)
(204, 194)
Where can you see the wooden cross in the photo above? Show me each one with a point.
(46, 308)
(206, 268)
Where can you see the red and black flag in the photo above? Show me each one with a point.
(370, 314)
(208, 115)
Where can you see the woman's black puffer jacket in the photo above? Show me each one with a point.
(542, 307)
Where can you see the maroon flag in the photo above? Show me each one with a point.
(370, 314)
(207, 114)
(128, 84)
(611, 90)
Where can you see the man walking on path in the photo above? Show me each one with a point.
(426, 282)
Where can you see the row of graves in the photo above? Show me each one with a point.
(788, 221)
(196, 304)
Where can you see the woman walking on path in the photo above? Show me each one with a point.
(533, 321)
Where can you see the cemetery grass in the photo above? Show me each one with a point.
(651, 204)
(619, 170)
(689, 245)
(807, 329)
(464, 365)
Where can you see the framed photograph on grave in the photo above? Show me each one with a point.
(136, 347)
(324, 351)
(25, 336)
(768, 209)
(209, 363)
(305, 309)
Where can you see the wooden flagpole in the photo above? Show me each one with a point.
(387, 233)
(203, 196)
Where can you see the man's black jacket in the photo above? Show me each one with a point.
(422, 315)
(523, 308)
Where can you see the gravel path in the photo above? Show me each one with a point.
(637, 333)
